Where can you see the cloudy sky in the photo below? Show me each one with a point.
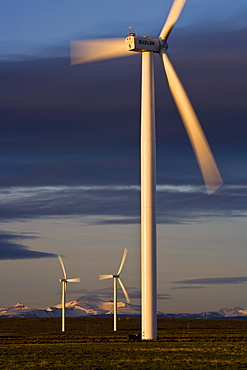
(70, 154)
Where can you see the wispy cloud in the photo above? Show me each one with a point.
(107, 293)
(11, 248)
(120, 203)
(188, 287)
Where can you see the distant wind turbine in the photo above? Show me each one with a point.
(96, 50)
(64, 282)
(116, 278)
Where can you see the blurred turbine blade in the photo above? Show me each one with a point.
(102, 277)
(62, 265)
(124, 290)
(123, 260)
(73, 280)
(198, 140)
(86, 51)
(172, 18)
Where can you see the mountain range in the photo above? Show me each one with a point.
(93, 306)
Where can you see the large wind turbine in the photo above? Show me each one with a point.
(116, 278)
(64, 282)
(95, 50)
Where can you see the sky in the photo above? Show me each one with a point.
(69, 157)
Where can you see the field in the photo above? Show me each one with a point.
(90, 343)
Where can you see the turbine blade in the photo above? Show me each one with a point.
(124, 290)
(73, 280)
(102, 277)
(86, 51)
(196, 135)
(62, 265)
(123, 260)
(172, 18)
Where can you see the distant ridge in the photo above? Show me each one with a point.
(94, 306)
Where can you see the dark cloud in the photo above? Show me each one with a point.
(11, 248)
(64, 127)
(214, 281)
(73, 125)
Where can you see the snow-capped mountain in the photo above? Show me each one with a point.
(233, 312)
(20, 310)
(83, 306)
(93, 306)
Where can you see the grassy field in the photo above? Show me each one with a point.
(90, 343)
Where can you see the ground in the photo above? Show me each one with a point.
(90, 343)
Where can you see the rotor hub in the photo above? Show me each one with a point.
(163, 45)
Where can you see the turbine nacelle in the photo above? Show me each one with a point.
(72, 280)
(145, 43)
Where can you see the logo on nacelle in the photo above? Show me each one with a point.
(142, 43)
(146, 42)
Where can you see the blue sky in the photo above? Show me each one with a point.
(70, 154)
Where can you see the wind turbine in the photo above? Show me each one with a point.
(116, 278)
(96, 50)
(64, 282)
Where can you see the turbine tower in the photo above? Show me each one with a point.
(116, 278)
(96, 50)
(64, 282)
